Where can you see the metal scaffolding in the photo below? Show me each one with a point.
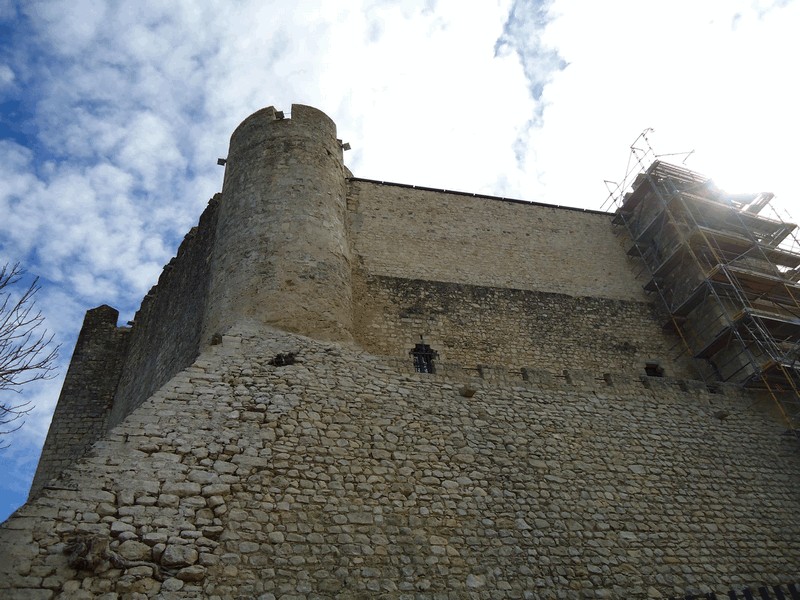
(726, 269)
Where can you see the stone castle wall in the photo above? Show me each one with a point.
(491, 281)
(81, 415)
(114, 369)
(417, 233)
(323, 479)
(500, 327)
(530, 310)
(222, 469)
(165, 337)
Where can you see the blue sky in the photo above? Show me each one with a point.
(112, 116)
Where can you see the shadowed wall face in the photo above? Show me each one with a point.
(81, 415)
(165, 337)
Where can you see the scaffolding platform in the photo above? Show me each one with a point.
(726, 272)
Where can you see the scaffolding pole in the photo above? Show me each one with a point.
(726, 274)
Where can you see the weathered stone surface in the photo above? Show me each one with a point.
(178, 556)
(632, 522)
(561, 474)
(117, 527)
(154, 537)
(216, 489)
(181, 488)
(193, 573)
(133, 550)
(172, 584)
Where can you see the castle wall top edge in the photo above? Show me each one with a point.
(483, 196)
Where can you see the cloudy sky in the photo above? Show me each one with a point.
(112, 116)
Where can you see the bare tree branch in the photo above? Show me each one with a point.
(27, 352)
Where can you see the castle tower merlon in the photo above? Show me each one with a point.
(281, 255)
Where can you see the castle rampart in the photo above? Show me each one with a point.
(413, 233)
(165, 337)
(292, 242)
(260, 431)
(499, 282)
(471, 325)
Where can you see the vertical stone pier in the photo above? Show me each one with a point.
(83, 407)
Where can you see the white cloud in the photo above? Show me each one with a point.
(682, 68)
(7, 77)
(150, 151)
(68, 27)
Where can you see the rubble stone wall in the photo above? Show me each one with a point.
(471, 325)
(165, 337)
(338, 476)
(81, 415)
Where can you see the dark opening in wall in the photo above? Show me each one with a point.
(283, 360)
(653, 369)
(424, 357)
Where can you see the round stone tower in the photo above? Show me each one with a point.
(281, 254)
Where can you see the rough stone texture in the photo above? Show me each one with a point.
(245, 461)
(470, 325)
(356, 482)
(417, 233)
(81, 414)
(165, 337)
(282, 255)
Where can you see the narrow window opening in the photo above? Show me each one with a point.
(424, 357)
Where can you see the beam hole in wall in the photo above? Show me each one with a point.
(283, 359)
(653, 369)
